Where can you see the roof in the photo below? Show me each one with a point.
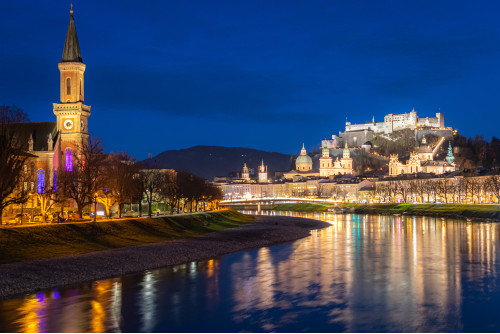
(423, 149)
(303, 159)
(71, 52)
(40, 132)
(436, 163)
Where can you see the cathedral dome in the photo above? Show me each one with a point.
(303, 159)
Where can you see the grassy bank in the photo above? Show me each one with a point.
(301, 207)
(38, 242)
(441, 210)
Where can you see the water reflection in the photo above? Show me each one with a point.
(363, 273)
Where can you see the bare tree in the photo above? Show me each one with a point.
(444, 188)
(170, 190)
(82, 182)
(117, 181)
(13, 156)
(493, 184)
(152, 181)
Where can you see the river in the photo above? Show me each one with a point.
(364, 273)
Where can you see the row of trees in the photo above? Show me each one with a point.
(115, 179)
(447, 190)
(118, 180)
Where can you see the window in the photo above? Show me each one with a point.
(68, 86)
(41, 181)
(55, 181)
(69, 160)
(81, 88)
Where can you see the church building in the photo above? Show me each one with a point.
(56, 143)
(338, 167)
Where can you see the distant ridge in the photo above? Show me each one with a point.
(210, 161)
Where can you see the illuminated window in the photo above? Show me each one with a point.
(68, 86)
(55, 181)
(41, 181)
(69, 160)
(81, 88)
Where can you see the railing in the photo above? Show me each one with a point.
(280, 199)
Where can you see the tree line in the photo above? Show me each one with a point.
(462, 189)
(109, 179)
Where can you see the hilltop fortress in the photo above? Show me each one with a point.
(358, 134)
(394, 122)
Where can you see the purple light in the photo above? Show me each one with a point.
(69, 160)
(41, 181)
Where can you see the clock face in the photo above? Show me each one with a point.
(82, 126)
(68, 124)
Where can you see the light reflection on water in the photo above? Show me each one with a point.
(363, 273)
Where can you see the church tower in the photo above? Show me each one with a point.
(263, 173)
(346, 160)
(245, 174)
(72, 114)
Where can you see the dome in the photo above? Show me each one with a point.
(326, 149)
(303, 159)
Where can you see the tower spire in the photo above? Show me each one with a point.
(71, 52)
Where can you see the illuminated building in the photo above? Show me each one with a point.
(303, 162)
(263, 173)
(421, 161)
(55, 144)
(329, 168)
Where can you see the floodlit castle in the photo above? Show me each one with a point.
(394, 122)
(357, 134)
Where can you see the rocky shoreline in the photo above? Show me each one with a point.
(31, 276)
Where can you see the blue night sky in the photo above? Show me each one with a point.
(261, 74)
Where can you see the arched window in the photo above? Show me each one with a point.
(55, 181)
(68, 86)
(41, 181)
(81, 88)
(69, 160)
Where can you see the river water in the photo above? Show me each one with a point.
(364, 273)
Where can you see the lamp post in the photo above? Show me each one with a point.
(95, 207)
(32, 211)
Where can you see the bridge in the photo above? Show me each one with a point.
(270, 202)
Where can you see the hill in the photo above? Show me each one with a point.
(210, 161)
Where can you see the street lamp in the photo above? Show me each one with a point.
(95, 207)
(31, 195)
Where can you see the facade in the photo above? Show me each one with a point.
(421, 161)
(327, 167)
(55, 144)
(245, 174)
(263, 173)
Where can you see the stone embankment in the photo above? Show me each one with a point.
(34, 275)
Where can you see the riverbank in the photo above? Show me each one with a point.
(31, 276)
(457, 211)
(26, 243)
